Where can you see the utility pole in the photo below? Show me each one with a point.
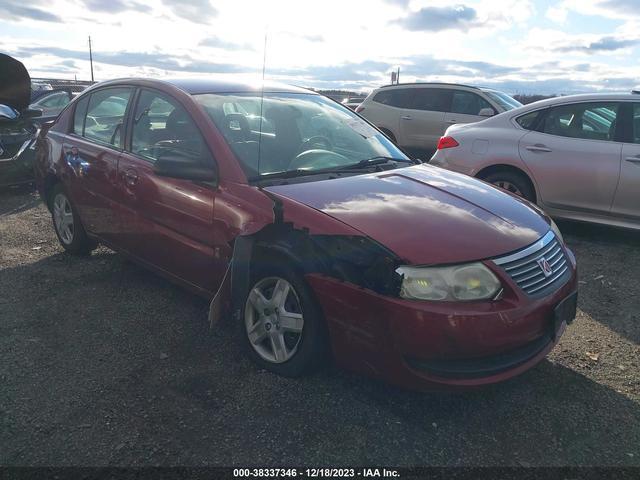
(91, 58)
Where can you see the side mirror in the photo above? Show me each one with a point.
(487, 112)
(32, 112)
(177, 166)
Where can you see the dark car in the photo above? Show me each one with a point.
(308, 228)
(17, 129)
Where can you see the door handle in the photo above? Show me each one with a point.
(538, 148)
(635, 159)
(130, 177)
(406, 117)
(452, 121)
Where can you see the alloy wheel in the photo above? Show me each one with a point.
(508, 186)
(63, 218)
(273, 319)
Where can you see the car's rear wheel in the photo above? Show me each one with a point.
(283, 326)
(512, 182)
(67, 225)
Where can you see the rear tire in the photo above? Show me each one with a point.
(512, 182)
(67, 224)
(282, 326)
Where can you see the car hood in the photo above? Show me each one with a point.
(15, 83)
(426, 215)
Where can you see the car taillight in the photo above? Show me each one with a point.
(447, 142)
(359, 109)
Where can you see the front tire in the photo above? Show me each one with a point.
(67, 224)
(282, 325)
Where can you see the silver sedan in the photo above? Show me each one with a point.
(577, 157)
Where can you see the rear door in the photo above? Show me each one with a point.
(422, 123)
(627, 200)
(465, 108)
(574, 156)
(91, 152)
(167, 222)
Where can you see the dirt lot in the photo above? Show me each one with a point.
(105, 363)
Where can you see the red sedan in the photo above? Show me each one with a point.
(308, 228)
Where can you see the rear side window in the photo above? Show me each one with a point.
(468, 103)
(432, 99)
(396, 97)
(161, 126)
(528, 121)
(636, 123)
(79, 114)
(105, 115)
(589, 121)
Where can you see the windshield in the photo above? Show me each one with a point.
(292, 132)
(504, 100)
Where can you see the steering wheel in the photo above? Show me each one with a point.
(317, 141)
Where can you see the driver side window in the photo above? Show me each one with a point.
(163, 127)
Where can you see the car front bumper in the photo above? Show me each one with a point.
(434, 345)
(19, 168)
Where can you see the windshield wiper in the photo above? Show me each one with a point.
(368, 162)
(299, 172)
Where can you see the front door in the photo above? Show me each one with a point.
(575, 156)
(627, 201)
(166, 222)
(91, 152)
(465, 108)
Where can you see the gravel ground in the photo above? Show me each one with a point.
(104, 363)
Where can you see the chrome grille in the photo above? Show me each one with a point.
(527, 267)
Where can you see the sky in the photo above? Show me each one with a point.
(518, 46)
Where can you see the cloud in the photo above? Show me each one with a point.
(18, 10)
(625, 6)
(138, 59)
(435, 19)
(198, 11)
(402, 3)
(604, 44)
(217, 42)
(115, 6)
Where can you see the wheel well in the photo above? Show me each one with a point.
(50, 181)
(485, 172)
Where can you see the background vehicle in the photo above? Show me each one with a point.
(301, 227)
(52, 102)
(353, 102)
(416, 115)
(17, 130)
(578, 157)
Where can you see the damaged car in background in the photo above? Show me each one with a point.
(17, 130)
(310, 230)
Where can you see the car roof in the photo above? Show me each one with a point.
(199, 85)
(583, 97)
(417, 84)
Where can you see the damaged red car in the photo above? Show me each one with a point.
(311, 230)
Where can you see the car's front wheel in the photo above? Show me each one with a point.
(282, 324)
(67, 225)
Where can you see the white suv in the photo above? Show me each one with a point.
(415, 116)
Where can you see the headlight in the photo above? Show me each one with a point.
(556, 230)
(473, 281)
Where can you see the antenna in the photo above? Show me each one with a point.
(264, 65)
(91, 58)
